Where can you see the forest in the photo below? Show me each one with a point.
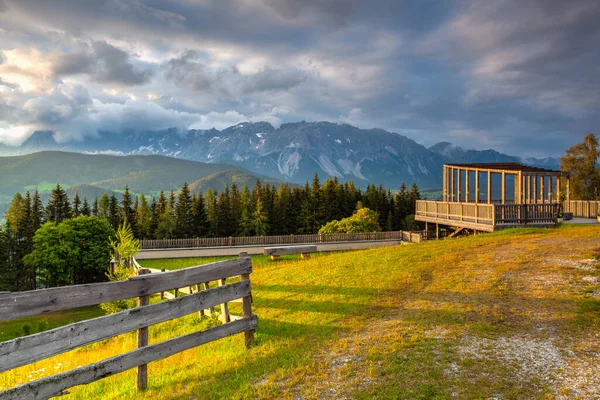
(262, 210)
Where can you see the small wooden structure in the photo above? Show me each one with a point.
(275, 252)
(492, 196)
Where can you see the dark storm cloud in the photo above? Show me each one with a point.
(481, 74)
(272, 79)
(189, 73)
(186, 72)
(104, 63)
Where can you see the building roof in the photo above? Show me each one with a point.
(506, 166)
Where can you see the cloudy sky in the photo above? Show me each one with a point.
(521, 77)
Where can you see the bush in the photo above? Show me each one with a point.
(27, 329)
(363, 220)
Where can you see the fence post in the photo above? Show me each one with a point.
(247, 305)
(162, 294)
(224, 307)
(142, 372)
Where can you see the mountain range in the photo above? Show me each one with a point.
(293, 152)
(92, 175)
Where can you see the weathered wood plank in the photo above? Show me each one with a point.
(53, 385)
(28, 349)
(22, 304)
(142, 336)
(277, 251)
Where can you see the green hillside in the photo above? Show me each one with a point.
(221, 179)
(143, 174)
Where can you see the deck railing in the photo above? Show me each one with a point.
(487, 215)
(583, 208)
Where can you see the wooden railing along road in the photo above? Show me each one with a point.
(28, 349)
(485, 216)
(156, 244)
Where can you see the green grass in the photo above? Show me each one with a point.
(14, 328)
(463, 318)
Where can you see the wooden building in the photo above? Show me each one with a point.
(492, 196)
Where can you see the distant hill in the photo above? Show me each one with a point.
(221, 179)
(92, 175)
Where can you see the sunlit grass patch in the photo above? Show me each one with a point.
(448, 319)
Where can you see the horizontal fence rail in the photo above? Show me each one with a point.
(156, 244)
(26, 350)
(23, 304)
(583, 208)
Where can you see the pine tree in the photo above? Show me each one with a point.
(154, 219)
(235, 206)
(183, 213)
(414, 195)
(104, 206)
(127, 210)
(37, 212)
(76, 206)
(224, 220)
(244, 226)
(25, 244)
(200, 223)
(166, 225)
(114, 212)
(211, 211)
(58, 207)
(259, 221)
(95, 207)
(143, 216)
(85, 208)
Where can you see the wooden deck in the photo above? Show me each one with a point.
(486, 217)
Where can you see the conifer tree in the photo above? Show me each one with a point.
(414, 195)
(259, 221)
(143, 217)
(200, 223)
(37, 212)
(95, 207)
(58, 207)
(76, 212)
(25, 245)
(183, 213)
(211, 211)
(224, 220)
(114, 212)
(104, 206)
(127, 211)
(154, 219)
(235, 206)
(85, 208)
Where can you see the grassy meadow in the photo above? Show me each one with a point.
(511, 315)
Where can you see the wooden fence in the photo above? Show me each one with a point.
(583, 208)
(28, 349)
(156, 244)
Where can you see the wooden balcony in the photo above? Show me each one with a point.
(486, 217)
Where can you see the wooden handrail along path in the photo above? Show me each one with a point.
(28, 349)
(241, 241)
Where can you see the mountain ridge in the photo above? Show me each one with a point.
(293, 152)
